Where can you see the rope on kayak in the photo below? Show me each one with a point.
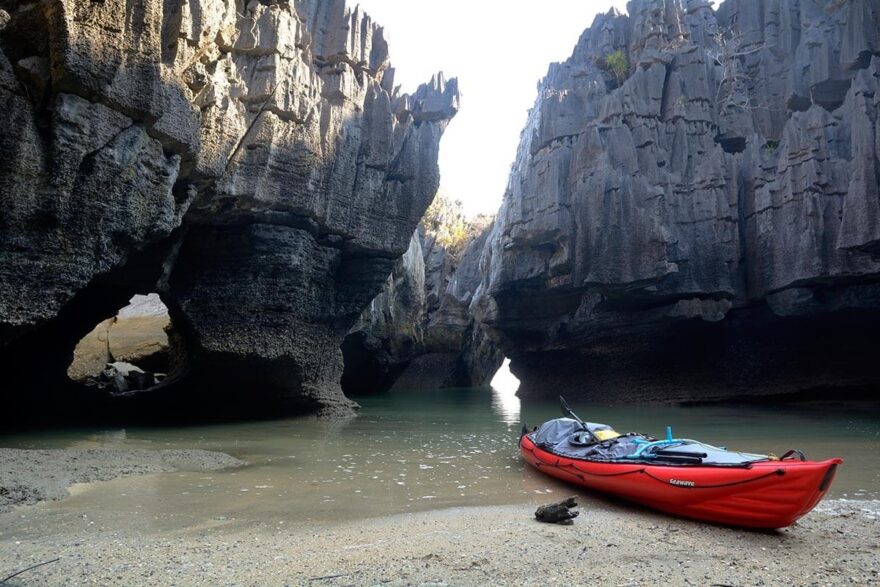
(580, 472)
(539, 464)
(778, 472)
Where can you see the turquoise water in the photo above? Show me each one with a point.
(416, 451)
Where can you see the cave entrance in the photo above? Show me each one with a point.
(505, 403)
(127, 352)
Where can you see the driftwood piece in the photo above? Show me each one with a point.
(17, 573)
(558, 513)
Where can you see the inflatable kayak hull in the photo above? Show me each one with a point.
(772, 494)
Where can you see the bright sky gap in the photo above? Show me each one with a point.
(499, 50)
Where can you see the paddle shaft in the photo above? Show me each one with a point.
(567, 411)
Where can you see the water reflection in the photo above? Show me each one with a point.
(505, 403)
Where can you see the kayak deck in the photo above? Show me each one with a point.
(766, 494)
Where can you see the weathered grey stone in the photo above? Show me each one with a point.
(120, 377)
(389, 332)
(452, 328)
(439, 265)
(659, 232)
(420, 332)
(251, 157)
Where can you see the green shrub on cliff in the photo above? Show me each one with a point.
(617, 63)
(446, 220)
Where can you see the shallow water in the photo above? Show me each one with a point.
(417, 451)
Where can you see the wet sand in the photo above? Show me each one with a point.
(609, 544)
(30, 476)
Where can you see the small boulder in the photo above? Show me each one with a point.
(558, 513)
(120, 377)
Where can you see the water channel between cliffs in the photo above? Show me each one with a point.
(410, 452)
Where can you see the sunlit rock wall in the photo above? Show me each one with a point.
(705, 222)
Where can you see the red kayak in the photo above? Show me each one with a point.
(771, 494)
(681, 477)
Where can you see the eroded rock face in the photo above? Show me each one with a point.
(389, 333)
(706, 224)
(451, 330)
(250, 161)
(420, 332)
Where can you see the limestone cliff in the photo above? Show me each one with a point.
(251, 161)
(420, 332)
(694, 208)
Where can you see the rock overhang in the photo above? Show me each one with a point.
(202, 127)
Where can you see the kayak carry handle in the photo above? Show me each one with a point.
(794, 453)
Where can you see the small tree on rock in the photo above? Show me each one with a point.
(618, 64)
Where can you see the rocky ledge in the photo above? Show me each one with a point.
(252, 163)
(694, 211)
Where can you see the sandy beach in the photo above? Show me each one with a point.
(610, 544)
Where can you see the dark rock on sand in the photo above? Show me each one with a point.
(562, 512)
